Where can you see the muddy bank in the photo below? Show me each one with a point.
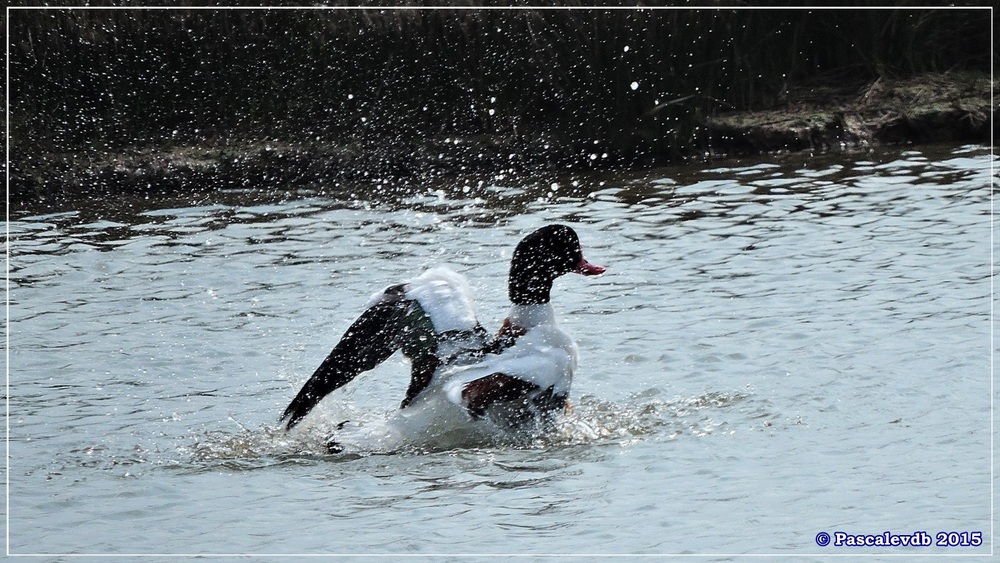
(929, 108)
(122, 102)
(276, 165)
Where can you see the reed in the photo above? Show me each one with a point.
(634, 85)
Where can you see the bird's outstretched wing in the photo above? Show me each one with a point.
(390, 324)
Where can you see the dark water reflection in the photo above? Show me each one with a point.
(776, 349)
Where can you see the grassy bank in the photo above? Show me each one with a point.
(181, 96)
(925, 108)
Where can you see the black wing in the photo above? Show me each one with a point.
(385, 327)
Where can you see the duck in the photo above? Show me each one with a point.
(460, 374)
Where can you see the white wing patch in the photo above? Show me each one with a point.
(444, 295)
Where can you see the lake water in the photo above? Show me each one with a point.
(780, 348)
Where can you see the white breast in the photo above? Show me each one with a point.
(545, 356)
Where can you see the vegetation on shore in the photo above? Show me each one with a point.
(174, 98)
(925, 108)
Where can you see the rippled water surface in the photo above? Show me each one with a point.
(779, 348)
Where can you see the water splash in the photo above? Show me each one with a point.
(644, 418)
(592, 421)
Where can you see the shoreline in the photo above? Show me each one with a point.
(924, 109)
